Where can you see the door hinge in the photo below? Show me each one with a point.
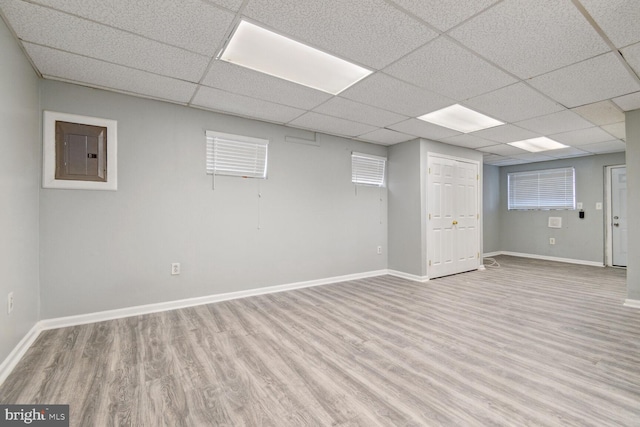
(429, 263)
(477, 216)
(477, 177)
(429, 216)
(478, 255)
(429, 170)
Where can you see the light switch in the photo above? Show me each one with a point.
(579, 205)
(599, 206)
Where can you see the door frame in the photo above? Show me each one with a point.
(608, 246)
(425, 213)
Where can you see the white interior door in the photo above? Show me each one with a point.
(452, 216)
(619, 216)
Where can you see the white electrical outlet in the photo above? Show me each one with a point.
(552, 241)
(175, 268)
(599, 206)
(10, 303)
(579, 205)
(379, 250)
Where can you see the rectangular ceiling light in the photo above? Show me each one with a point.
(538, 144)
(460, 118)
(270, 53)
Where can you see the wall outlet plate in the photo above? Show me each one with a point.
(175, 268)
(9, 302)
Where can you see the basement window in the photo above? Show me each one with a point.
(542, 190)
(236, 155)
(367, 169)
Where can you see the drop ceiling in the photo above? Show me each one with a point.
(564, 69)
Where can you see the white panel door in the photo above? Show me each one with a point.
(452, 216)
(619, 216)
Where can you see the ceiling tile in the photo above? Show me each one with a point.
(370, 32)
(505, 161)
(503, 150)
(514, 103)
(534, 157)
(388, 93)
(468, 141)
(617, 18)
(442, 66)
(563, 121)
(331, 125)
(351, 110)
(632, 55)
(564, 153)
(386, 137)
(243, 81)
(582, 136)
(531, 37)
(617, 129)
(593, 80)
(628, 102)
(86, 71)
(444, 15)
(229, 4)
(59, 30)
(423, 129)
(189, 24)
(600, 113)
(605, 147)
(505, 133)
(218, 100)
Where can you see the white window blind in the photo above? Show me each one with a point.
(543, 189)
(236, 155)
(367, 169)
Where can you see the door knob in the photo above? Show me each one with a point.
(455, 222)
(615, 217)
(615, 224)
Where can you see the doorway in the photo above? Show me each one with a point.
(452, 216)
(616, 221)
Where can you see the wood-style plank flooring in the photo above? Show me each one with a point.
(531, 343)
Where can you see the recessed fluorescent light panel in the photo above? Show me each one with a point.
(460, 118)
(270, 53)
(538, 144)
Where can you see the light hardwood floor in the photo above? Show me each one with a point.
(532, 343)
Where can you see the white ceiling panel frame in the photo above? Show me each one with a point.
(331, 125)
(616, 129)
(388, 93)
(444, 15)
(218, 100)
(514, 103)
(357, 112)
(243, 81)
(423, 129)
(41, 25)
(443, 66)
(632, 55)
(562, 121)
(586, 82)
(369, 32)
(523, 36)
(190, 24)
(66, 66)
(617, 18)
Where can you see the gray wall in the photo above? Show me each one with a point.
(405, 207)
(633, 203)
(578, 239)
(104, 250)
(491, 208)
(408, 201)
(19, 183)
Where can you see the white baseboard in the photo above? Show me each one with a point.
(551, 258)
(408, 276)
(119, 313)
(19, 350)
(633, 303)
(491, 254)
